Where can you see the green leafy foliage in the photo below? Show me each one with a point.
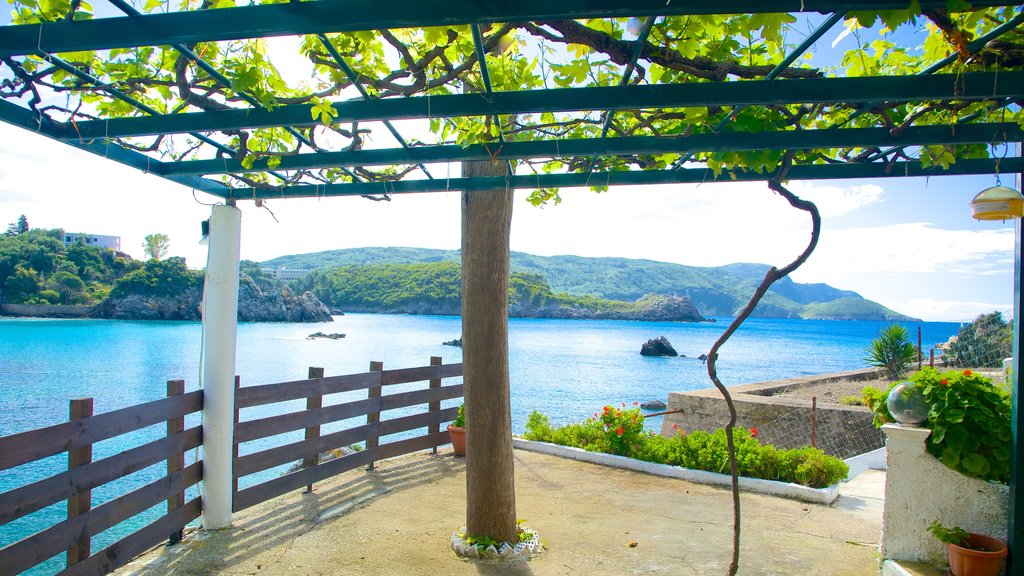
(891, 351)
(955, 535)
(156, 246)
(623, 429)
(698, 450)
(983, 343)
(969, 418)
(460, 418)
(414, 62)
(36, 268)
(19, 227)
(158, 278)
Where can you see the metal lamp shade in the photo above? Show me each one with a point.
(997, 203)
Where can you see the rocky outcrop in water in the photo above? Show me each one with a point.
(278, 305)
(331, 336)
(658, 347)
(254, 305)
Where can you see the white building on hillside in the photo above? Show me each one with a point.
(285, 274)
(110, 242)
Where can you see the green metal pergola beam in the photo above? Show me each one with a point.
(971, 86)
(972, 47)
(485, 75)
(727, 141)
(634, 178)
(326, 16)
(789, 59)
(24, 118)
(358, 85)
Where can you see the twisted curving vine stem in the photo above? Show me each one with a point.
(770, 277)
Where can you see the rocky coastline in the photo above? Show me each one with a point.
(254, 305)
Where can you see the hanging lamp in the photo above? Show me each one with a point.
(997, 203)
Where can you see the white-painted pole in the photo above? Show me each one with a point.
(220, 325)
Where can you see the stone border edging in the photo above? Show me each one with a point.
(784, 489)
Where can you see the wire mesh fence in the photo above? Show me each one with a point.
(840, 431)
(984, 343)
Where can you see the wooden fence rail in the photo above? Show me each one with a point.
(84, 474)
(316, 414)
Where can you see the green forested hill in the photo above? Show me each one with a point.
(434, 288)
(716, 291)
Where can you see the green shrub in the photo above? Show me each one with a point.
(982, 343)
(969, 418)
(891, 351)
(852, 400)
(538, 428)
(698, 450)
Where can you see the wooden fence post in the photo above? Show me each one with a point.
(175, 462)
(434, 406)
(79, 502)
(373, 438)
(314, 401)
(234, 441)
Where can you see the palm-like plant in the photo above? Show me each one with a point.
(891, 351)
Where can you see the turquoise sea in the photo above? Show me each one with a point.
(566, 369)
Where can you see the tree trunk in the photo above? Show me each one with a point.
(490, 483)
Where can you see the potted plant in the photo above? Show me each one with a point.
(457, 429)
(970, 554)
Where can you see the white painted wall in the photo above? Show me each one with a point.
(919, 490)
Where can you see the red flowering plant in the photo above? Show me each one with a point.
(623, 428)
(969, 417)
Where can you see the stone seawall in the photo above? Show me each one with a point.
(841, 431)
(44, 310)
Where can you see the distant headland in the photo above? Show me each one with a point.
(426, 281)
(40, 269)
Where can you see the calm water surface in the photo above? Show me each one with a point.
(566, 369)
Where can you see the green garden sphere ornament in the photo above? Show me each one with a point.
(906, 404)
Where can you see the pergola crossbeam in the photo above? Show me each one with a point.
(944, 87)
(326, 16)
(972, 47)
(789, 59)
(634, 178)
(634, 145)
(485, 75)
(358, 85)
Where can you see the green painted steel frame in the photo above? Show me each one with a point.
(325, 16)
(970, 86)
(635, 145)
(630, 178)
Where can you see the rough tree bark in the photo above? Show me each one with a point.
(490, 483)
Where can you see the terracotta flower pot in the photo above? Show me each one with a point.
(458, 440)
(984, 557)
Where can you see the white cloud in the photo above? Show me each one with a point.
(914, 247)
(833, 200)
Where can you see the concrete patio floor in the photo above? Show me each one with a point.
(595, 520)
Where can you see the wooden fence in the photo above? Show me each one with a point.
(313, 390)
(83, 474)
(77, 436)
